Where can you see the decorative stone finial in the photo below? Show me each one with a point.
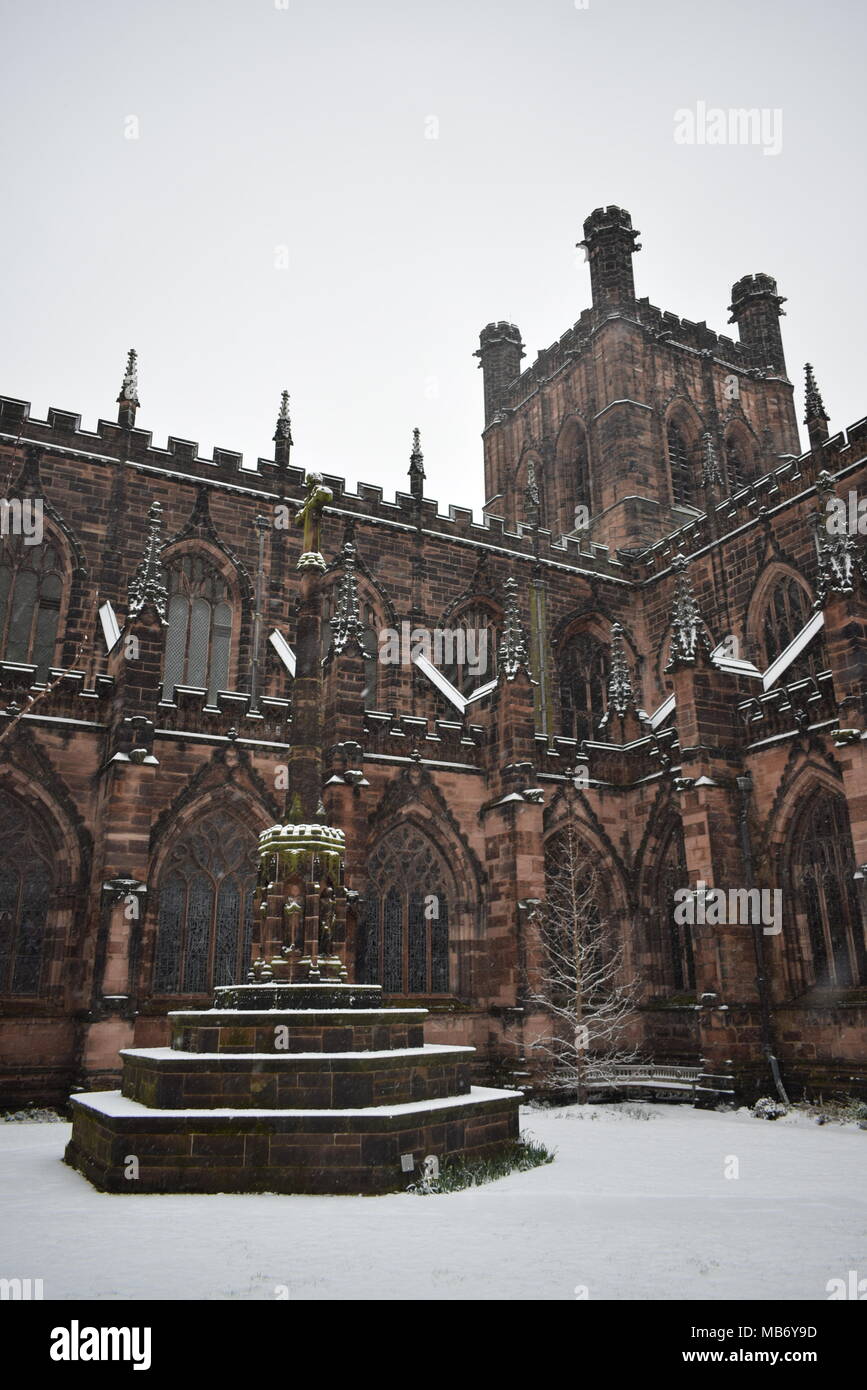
(129, 386)
(689, 638)
(148, 585)
(813, 403)
(284, 424)
(128, 401)
(512, 654)
(416, 465)
(283, 433)
(710, 469)
(839, 561)
(621, 697)
(531, 495)
(347, 625)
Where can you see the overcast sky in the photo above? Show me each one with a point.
(307, 127)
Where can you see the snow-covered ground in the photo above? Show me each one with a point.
(636, 1205)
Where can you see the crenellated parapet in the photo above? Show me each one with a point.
(790, 709)
(397, 737)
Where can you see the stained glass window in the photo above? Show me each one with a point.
(824, 890)
(31, 586)
(680, 464)
(403, 940)
(205, 908)
(470, 648)
(738, 465)
(678, 964)
(199, 639)
(583, 686)
(26, 884)
(786, 613)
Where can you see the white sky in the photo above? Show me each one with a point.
(305, 127)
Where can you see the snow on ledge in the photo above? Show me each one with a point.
(116, 1106)
(794, 649)
(660, 715)
(356, 1015)
(157, 1054)
(443, 685)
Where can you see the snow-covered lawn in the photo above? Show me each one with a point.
(633, 1207)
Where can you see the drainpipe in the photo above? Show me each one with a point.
(745, 787)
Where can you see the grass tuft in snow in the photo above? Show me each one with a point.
(456, 1174)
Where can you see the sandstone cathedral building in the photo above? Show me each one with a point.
(674, 665)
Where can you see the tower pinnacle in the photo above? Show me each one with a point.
(416, 465)
(128, 401)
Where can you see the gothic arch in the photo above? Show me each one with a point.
(411, 908)
(476, 613)
(29, 485)
(815, 867)
(414, 800)
(780, 579)
(669, 961)
(613, 905)
(742, 453)
(592, 835)
(581, 647)
(44, 869)
(198, 924)
(37, 586)
(482, 587)
(572, 473)
(682, 431)
(199, 570)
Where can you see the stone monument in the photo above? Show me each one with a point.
(298, 1080)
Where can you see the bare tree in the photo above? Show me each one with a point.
(579, 978)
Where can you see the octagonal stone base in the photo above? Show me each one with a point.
(288, 1088)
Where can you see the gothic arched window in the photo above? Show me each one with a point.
(469, 653)
(675, 938)
(205, 908)
(403, 939)
(369, 641)
(31, 586)
(786, 613)
(822, 885)
(574, 892)
(199, 639)
(680, 465)
(739, 465)
(581, 472)
(26, 883)
(583, 685)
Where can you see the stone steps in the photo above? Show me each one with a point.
(171, 1079)
(288, 1088)
(297, 1030)
(313, 1151)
